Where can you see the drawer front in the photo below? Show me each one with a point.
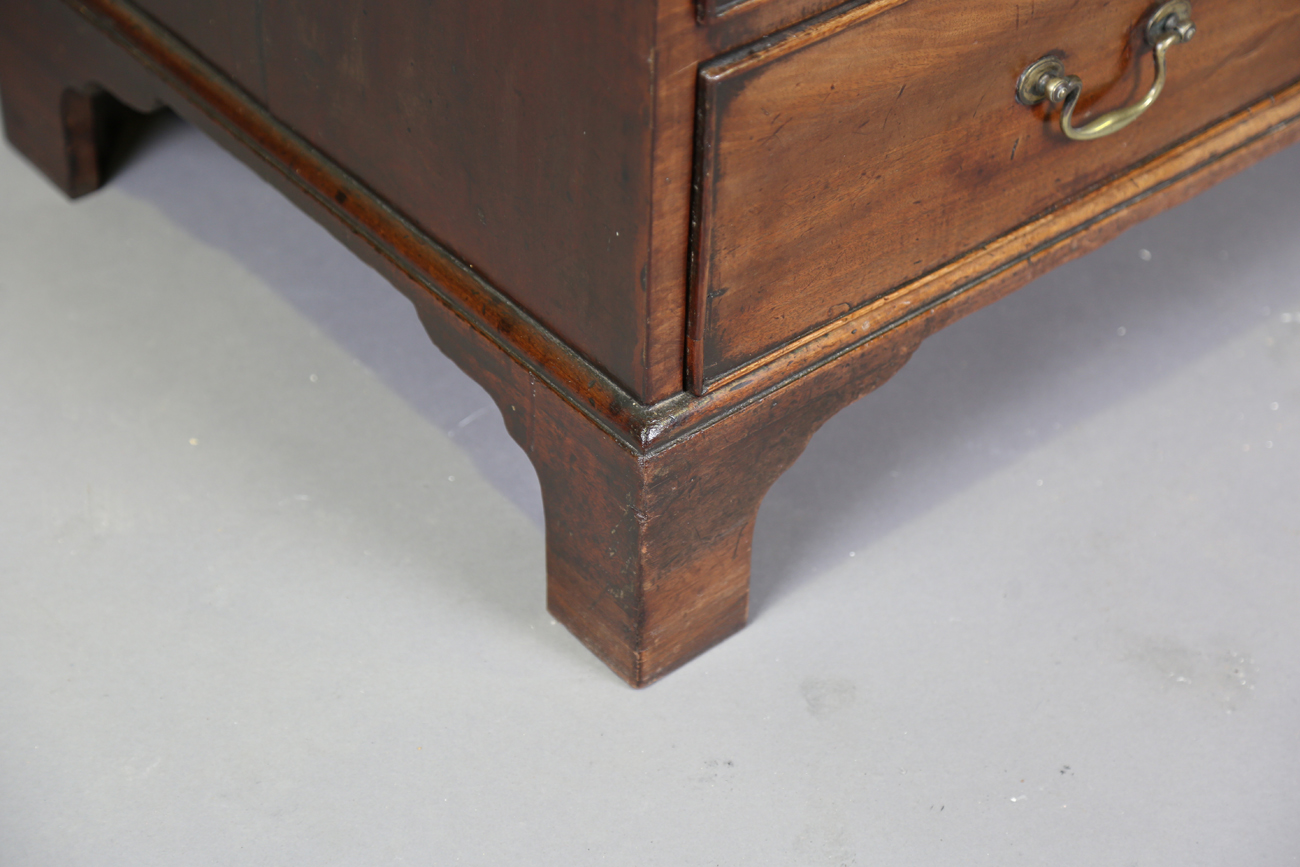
(709, 11)
(845, 157)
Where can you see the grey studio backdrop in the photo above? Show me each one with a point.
(271, 571)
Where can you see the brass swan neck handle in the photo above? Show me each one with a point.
(1170, 25)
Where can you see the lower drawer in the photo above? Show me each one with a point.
(849, 155)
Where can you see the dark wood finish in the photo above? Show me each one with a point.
(55, 111)
(648, 552)
(850, 155)
(649, 506)
(518, 134)
(62, 127)
(231, 36)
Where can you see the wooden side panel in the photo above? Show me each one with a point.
(859, 152)
(516, 133)
(228, 34)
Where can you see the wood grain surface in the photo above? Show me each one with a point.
(852, 154)
(516, 134)
(649, 507)
(711, 11)
(648, 553)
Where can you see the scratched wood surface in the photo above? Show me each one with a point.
(867, 149)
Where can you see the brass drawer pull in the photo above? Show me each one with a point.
(1171, 24)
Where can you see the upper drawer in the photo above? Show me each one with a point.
(709, 11)
(844, 157)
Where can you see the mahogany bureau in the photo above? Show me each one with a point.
(672, 237)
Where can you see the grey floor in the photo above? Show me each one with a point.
(271, 571)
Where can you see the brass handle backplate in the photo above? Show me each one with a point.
(1170, 25)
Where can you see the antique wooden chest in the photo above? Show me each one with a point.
(672, 237)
